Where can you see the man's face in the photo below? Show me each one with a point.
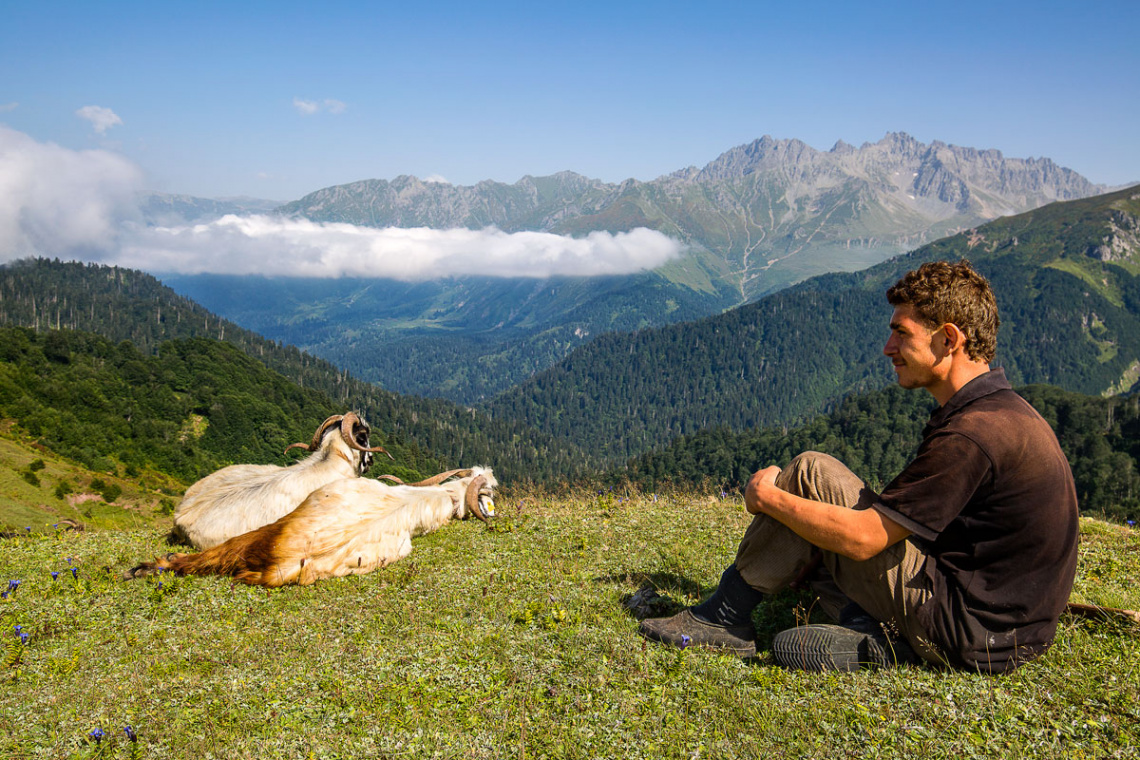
(914, 350)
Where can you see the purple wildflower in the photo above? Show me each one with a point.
(130, 732)
(75, 573)
(685, 640)
(23, 637)
(54, 575)
(97, 735)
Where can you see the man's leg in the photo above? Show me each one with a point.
(769, 558)
(886, 590)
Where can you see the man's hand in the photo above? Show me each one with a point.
(760, 485)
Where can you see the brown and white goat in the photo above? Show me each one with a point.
(348, 527)
(242, 497)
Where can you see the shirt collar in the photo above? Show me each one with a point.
(982, 385)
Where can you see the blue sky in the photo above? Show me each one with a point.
(275, 100)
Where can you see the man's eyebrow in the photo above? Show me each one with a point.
(896, 325)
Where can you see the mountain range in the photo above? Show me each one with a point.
(1067, 277)
(756, 219)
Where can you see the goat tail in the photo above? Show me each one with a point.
(248, 558)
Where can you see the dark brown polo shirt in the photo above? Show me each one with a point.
(990, 498)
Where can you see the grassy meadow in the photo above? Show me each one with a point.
(515, 640)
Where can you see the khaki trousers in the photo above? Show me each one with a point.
(891, 586)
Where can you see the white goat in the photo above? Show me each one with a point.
(347, 527)
(239, 498)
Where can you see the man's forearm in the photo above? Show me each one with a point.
(856, 534)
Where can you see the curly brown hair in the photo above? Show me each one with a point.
(941, 292)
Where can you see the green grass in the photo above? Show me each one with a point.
(512, 642)
(1092, 275)
(24, 505)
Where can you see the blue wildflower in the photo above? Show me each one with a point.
(160, 584)
(13, 585)
(75, 573)
(130, 732)
(54, 575)
(23, 637)
(3, 594)
(17, 628)
(97, 735)
(685, 641)
(28, 528)
(1131, 523)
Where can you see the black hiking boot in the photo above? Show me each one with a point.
(687, 630)
(840, 647)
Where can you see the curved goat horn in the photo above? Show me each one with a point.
(346, 424)
(435, 480)
(471, 498)
(316, 442)
(392, 478)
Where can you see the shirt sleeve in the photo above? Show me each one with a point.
(934, 488)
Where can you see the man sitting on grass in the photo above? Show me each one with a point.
(965, 559)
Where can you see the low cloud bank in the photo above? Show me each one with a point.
(272, 245)
(83, 205)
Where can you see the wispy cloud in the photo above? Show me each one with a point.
(298, 247)
(6, 107)
(439, 179)
(84, 205)
(310, 107)
(101, 118)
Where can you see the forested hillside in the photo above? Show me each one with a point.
(876, 434)
(1067, 278)
(196, 405)
(126, 305)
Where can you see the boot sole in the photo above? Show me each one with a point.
(824, 647)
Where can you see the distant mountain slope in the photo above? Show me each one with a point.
(1067, 278)
(167, 209)
(756, 219)
(876, 434)
(122, 304)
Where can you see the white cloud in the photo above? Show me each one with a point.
(298, 247)
(310, 107)
(307, 107)
(84, 205)
(59, 202)
(101, 118)
(6, 107)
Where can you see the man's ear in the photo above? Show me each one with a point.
(954, 337)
